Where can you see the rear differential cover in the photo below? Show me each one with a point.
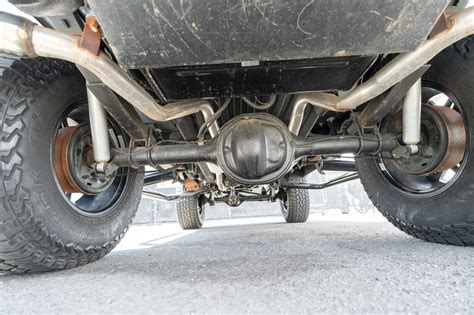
(255, 149)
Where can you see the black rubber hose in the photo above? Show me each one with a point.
(212, 119)
(262, 106)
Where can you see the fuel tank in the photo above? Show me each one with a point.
(171, 33)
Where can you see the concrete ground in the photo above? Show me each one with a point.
(332, 264)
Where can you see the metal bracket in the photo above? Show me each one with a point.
(442, 24)
(91, 36)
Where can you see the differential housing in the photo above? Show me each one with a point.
(255, 149)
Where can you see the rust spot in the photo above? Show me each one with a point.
(29, 27)
(91, 22)
(91, 36)
(190, 185)
(442, 24)
(61, 165)
(456, 138)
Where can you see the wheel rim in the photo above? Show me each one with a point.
(102, 201)
(425, 186)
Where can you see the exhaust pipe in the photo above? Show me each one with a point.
(21, 37)
(24, 38)
(460, 25)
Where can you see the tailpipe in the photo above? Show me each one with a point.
(22, 37)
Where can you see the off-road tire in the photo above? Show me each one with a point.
(39, 230)
(190, 213)
(448, 217)
(296, 206)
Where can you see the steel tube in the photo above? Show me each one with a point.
(99, 129)
(194, 153)
(167, 154)
(336, 181)
(297, 113)
(189, 107)
(159, 177)
(461, 24)
(411, 114)
(22, 37)
(156, 195)
(343, 144)
(340, 166)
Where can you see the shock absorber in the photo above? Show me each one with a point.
(412, 117)
(99, 131)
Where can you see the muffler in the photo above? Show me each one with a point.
(24, 38)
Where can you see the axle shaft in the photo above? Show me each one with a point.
(193, 153)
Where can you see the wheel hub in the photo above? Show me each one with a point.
(442, 145)
(74, 160)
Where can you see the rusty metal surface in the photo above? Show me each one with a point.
(91, 36)
(61, 164)
(190, 185)
(448, 141)
(456, 138)
(29, 49)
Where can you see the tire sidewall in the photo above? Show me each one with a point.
(39, 191)
(455, 74)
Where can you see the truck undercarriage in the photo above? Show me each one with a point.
(241, 100)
